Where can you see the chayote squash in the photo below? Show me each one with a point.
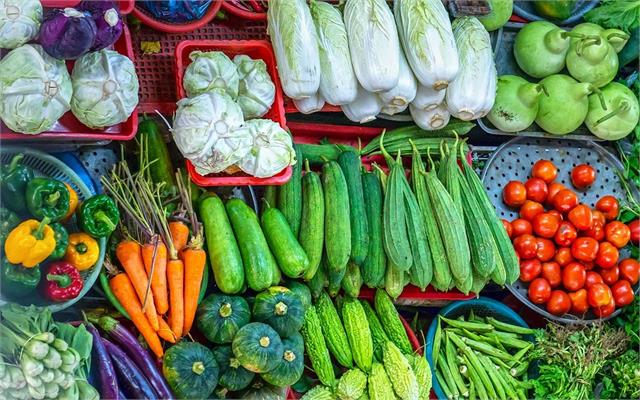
(258, 347)
(191, 370)
(233, 376)
(280, 308)
(220, 316)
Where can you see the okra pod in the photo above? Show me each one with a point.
(510, 341)
(520, 369)
(450, 357)
(522, 352)
(472, 391)
(503, 326)
(488, 349)
(474, 362)
(500, 363)
(437, 339)
(443, 384)
(491, 371)
(471, 326)
(474, 377)
(469, 334)
(506, 383)
(446, 373)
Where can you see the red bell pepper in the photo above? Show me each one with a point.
(63, 282)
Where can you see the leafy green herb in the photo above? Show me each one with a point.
(621, 14)
(621, 380)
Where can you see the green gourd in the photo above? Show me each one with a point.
(335, 336)
(258, 347)
(317, 349)
(516, 104)
(620, 116)
(391, 322)
(219, 317)
(352, 385)
(233, 376)
(290, 367)
(358, 333)
(191, 370)
(540, 48)
(500, 13)
(280, 308)
(400, 373)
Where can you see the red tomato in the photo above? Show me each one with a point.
(539, 291)
(634, 228)
(583, 176)
(520, 227)
(507, 227)
(596, 231)
(630, 270)
(604, 311)
(610, 275)
(592, 277)
(579, 304)
(552, 273)
(526, 246)
(530, 209)
(599, 295)
(565, 200)
(609, 206)
(559, 303)
(563, 256)
(588, 265)
(607, 255)
(545, 225)
(617, 233)
(554, 188)
(574, 276)
(585, 249)
(536, 190)
(556, 213)
(545, 170)
(598, 216)
(514, 194)
(545, 249)
(566, 234)
(530, 269)
(622, 293)
(580, 216)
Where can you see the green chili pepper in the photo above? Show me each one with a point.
(99, 216)
(62, 241)
(18, 281)
(8, 221)
(15, 177)
(47, 197)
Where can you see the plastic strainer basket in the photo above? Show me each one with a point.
(482, 307)
(45, 165)
(513, 161)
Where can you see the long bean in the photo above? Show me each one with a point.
(446, 373)
(475, 363)
(503, 326)
(491, 371)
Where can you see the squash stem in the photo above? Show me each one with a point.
(225, 310)
(197, 367)
(281, 308)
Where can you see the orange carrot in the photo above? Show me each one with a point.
(159, 278)
(122, 288)
(175, 277)
(179, 234)
(129, 255)
(194, 264)
(165, 331)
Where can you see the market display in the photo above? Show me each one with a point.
(307, 206)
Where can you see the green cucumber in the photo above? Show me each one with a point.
(351, 165)
(376, 262)
(290, 196)
(311, 234)
(152, 145)
(337, 226)
(222, 247)
(269, 197)
(318, 154)
(289, 254)
(256, 256)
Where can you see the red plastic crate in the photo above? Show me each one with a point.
(68, 127)
(244, 14)
(147, 19)
(256, 49)
(125, 5)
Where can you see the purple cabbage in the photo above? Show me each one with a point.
(106, 15)
(67, 34)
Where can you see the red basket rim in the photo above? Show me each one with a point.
(148, 20)
(280, 178)
(240, 13)
(124, 9)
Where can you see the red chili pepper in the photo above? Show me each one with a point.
(63, 282)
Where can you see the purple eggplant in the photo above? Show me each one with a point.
(140, 356)
(108, 379)
(134, 384)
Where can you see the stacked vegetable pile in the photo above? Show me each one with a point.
(560, 103)
(216, 127)
(368, 60)
(574, 248)
(482, 357)
(37, 89)
(371, 347)
(42, 358)
(34, 213)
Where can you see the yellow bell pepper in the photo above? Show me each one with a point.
(30, 243)
(73, 202)
(82, 252)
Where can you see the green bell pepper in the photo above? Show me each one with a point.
(557, 10)
(18, 281)
(14, 177)
(48, 198)
(98, 216)
(8, 221)
(62, 241)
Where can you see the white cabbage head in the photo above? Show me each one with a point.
(105, 89)
(256, 91)
(35, 89)
(210, 70)
(271, 150)
(19, 22)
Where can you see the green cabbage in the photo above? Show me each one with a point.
(271, 150)
(210, 70)
(105, 89)
(256, 91)
(19, 22)
(35, 89)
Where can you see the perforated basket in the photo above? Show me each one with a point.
(482, 307)
(45, 165)
(513, 161)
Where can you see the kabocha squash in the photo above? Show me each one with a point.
(219, 317)
(358, 333)
(258, 347)
(317, 348)
(378, 334)
(336, 337)
(421, 369)
(191, 370)
(291, 364)
(379, 385)
(390, 320)
(352, 385)
(400, 373)
(319, 393)
(233, 376)
(260, 390)
(302, 291)
(280, 308)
